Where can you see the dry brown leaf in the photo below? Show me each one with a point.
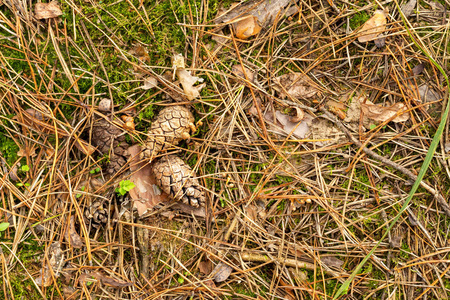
(47, 10)
(141, 53)
(72, 235)
(295, 85)
(298, 129)
(205, 267)
(238, 71)
(332, 261)
(109, 281)
(149, 83)
(373, 27)
(56, 262)
(146, 194)
(382, 114)
(186, 79)
(299, 115)
(27, 152)
(84, 147)
(408, 8)
(417, 70)
(337, 108)
(221, 272)
(246, 27)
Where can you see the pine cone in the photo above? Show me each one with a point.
(109, 139)
(97, 214)
(172, 125)
(178, 180)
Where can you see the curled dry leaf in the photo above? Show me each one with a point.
(47, 10)
(382, 114)
(205, 267)
(299, 115)
(149, 83)
(246, 27)
(186, 79)
(373, 27)
(295, 85)
(146, 194)
(72, 236)
(243, 72)
(221, 272)
(298, 129)
(105, 105)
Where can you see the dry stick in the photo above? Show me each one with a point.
(440, 199)
(288, 262)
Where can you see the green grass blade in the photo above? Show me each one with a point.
(435, 142)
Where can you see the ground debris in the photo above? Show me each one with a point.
(295, 85)
(47, 10)
(373, 28)
(146, 194)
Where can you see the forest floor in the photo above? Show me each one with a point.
(316, 145)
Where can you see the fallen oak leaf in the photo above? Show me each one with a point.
(373, 27)
(246, 27)
(186, 79)
(381, 114)
(47, 10)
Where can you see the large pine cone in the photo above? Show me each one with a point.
(110, 139)
(173, 124)
(97, 214)
(178, 180)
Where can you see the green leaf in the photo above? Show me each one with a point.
(4, 226)
(97, 170)
(83, 187)
(77, 195)
(180, 280)
(92, 171)
(127, 185)
(372, 126)
(25, 168)
(27, 184)
(19, 184)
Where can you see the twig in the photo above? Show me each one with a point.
(440, 199)
(288, 262)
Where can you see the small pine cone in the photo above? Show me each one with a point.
(109, 139)
(172, 125)
(178, 180)
(97, 214)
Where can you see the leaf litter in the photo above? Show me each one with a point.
(265, 193)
